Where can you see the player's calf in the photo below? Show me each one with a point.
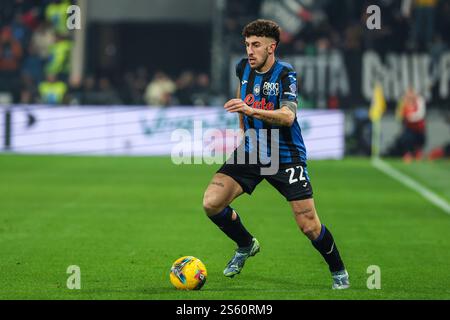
(306, 218)
(327, 247)
(220, 193)
(230, 223)
(322, 240)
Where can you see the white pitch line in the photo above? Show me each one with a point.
(410, 183)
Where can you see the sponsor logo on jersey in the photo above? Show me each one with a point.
(270, 88)
(263, 104)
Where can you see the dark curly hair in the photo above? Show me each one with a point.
(262, 28)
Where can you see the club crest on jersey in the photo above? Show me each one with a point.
(270, 88)
(257, 89)
(251, 101)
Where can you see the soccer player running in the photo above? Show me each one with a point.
(269, 91)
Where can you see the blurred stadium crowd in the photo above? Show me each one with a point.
(35, 53)
(35, 48)
(407, 25)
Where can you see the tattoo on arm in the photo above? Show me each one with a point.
(304, 211)
(220, 184)
(282, 117)
(274, 120)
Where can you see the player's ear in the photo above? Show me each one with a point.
(272, 47)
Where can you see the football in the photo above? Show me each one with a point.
(188, 273)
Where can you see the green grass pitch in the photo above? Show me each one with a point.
(123, 221)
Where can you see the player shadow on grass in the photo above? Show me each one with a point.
(145, 291)
(285, 284)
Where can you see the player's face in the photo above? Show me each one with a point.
(258, 50)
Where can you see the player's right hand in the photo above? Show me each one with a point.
(237, 105)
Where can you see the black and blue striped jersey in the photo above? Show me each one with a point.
(268, 91)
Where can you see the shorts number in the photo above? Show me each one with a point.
(292, 172)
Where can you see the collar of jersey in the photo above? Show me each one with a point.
(273, 66)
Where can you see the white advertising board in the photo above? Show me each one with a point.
(151, 131)
(2, 127)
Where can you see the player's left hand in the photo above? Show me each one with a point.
(237, 105)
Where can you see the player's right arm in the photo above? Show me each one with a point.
(282, 117)
(241, 116)
(239, 74)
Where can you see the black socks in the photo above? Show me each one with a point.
(327, 248)
(233, 229)
(236, 231)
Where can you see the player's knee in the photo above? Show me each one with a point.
(307, 229)
(311, 230)
(211, 204)
(308, 222)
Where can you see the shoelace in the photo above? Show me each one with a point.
(235, 260)
(340, 279)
